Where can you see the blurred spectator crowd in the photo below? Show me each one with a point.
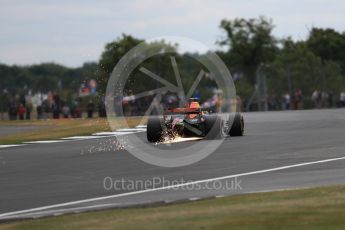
(297, 100)
(52, 106)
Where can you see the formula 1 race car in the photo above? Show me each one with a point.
(192, 121)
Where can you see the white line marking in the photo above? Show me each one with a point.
(119, 132)
(8, 146)
(169, 201)
(220, 196)
(98, 135)
(80, 138)
(44, 142)
(103, 134)
(170, 187)
(122, 133)
(277, 190)
(131, 130)
(62, 211)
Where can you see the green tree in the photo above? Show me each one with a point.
(250, 43)
(111, 55)
(328, 44)
(137, 81)
(297, 67)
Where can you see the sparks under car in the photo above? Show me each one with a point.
(193, 121)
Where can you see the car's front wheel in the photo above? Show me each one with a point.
(237, 128)
(154, 129)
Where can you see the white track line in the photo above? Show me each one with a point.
(100, 135)
(65, 210)
(115, 133)
(277, 190)
(8, 214)
(131, 130)
(103, 134)
(119, 132)
(44, 142)
(8, 146)
(77, 138)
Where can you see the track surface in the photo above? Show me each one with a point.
(41, 175)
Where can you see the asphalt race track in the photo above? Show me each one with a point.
(281, 150)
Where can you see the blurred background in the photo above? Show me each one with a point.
(56, 56)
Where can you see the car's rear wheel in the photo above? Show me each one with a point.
(237, 128)
(154, 129)
(214, 127)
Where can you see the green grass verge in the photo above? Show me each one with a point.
(53, 129)
(316, 208)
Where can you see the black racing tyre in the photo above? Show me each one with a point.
(213, 127)
(154, 130)
(237, 128)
